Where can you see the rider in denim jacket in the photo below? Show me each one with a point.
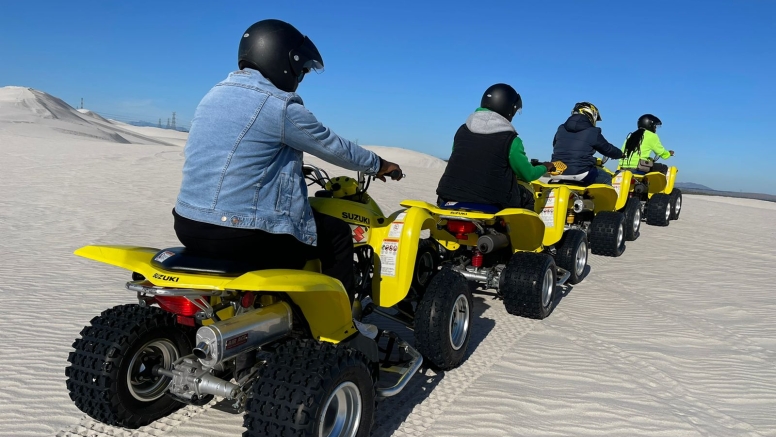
(243, 194)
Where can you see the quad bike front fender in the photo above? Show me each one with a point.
(396, 247)
(622, 184)
(321, 298)
(670, 180)
(552, 203)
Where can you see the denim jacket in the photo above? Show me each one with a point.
(243, 158)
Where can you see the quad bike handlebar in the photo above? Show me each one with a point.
(319, 176)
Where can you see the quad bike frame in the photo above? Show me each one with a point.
(196, 316)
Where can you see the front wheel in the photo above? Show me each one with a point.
(632, 219)
(528, 285)
(443, 320)
(572, 254)
(676, 203)
(310, 388)
(110, 374)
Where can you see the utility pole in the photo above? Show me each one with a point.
(173, 120)
(168, 123)
(160, 123)
(82, 103)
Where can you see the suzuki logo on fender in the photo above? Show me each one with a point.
(166, 278)
(355, 217)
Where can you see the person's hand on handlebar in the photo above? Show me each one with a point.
(671, 152)
(390, 169)
(550, 166)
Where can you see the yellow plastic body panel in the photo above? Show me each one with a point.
(670, 180)
(552, 204)
(604, 197)
(395, 244)
(526, 228)
(622, 183)
(656, 182)
(321, 298)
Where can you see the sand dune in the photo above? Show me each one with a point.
(675, 337)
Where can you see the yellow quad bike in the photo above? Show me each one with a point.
(505, 250)
(629, 205)
(566, 205)
(319, 369)
(660, 200)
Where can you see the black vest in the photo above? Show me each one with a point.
(478, 170)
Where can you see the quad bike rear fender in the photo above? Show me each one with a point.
(604, 197)
(656, 182)
(321, 298)
(526, 228)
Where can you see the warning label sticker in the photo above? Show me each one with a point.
(548, 212)
(388, 257)
(395, 230)
(617, 182)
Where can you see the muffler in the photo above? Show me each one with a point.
(581, 205)
(228, 338)
(492, 242)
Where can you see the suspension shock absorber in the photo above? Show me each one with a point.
(477, 259)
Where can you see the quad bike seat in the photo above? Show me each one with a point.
(178, 259)
(470, 206)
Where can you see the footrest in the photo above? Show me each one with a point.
(406, 369)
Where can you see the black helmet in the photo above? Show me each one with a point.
(649, 122)
(280, 52)
(502, 99)
(588, 109)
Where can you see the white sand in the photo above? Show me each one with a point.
(675, 338)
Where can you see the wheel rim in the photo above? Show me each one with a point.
(678, 206)
(143, 385)
(547, 288)
(341, 412)
(668, 211)
(425, 268)
(620, 234)
(459, 322)
(636, 220)
(581, 259)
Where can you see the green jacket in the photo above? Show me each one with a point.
(650, 143)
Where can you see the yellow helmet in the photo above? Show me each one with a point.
(342, 186)
(588, 109)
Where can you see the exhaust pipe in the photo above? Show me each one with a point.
(581, 205)
(228, 338)
(491, 242)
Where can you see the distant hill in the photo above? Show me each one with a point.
(693, 186)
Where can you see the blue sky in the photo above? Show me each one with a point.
(407, 74)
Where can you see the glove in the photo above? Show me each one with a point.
(550, 166)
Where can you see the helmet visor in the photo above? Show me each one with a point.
(306, 58)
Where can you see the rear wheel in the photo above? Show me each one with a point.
(528, 285)
(110, 374)
(310, 388)
(632, 219)
(659, 210)
(676, 203)
(443, 320)
(607, 234)
(572, 254)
